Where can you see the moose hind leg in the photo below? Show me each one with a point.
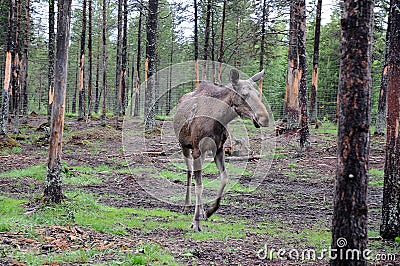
(199, 211)
(189, 170)
(220, 162)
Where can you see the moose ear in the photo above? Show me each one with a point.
(257, 76)
(234, 76)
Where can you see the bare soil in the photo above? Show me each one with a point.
(296, 194)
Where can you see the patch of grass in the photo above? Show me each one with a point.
(376, 177)
(150, 254)
(10, 210)
(37, 172)
(328, 128)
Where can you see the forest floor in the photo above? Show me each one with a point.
(113, 214)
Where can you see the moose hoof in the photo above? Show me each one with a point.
(196, 226)
(186, 210)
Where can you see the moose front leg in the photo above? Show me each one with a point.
(189, 171)
(220, 162)
(199, 210)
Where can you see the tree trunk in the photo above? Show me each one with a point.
(98, 91)
(7, 70)
(118, 74)
(25, 63)
(151, 58)
(16, 72)
(303, 90)
(293, 74)
(221, 44)
(196, 42)
(90, 61)
(82, 100)
(314, 88)
(382, 103)
(262, 45)
(349, 228)
(124, 58)
(105, 57)
(138, 59)
(390, 227)
(53, 185)
(207, 39)
(76, 84)
(132, 86)
(51, 57)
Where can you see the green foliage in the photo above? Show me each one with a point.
(37, 172)
(376, 178)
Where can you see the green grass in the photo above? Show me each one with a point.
(37, 172)
(328, 128)
(376, 177)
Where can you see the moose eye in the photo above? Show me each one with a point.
(244, 92)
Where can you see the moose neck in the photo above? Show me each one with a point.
(226, 95)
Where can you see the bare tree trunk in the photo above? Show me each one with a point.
(53, 185)
(118, 74)
(74, 96)
(196, 42)
(124, 58)
(382, 103)
(349, 226)
(262, 45)
(51, 55)
(293, 74)
(105, 57)
(7, 70)
(303, 89)
(151, 58)
(390, 227)
(207, 38)
(132, 85)
(82, 100)
(16, 73)
(90, 59)
(25, 63)
(314, 88)
(221, 44)
(138, 59)
(98, 91)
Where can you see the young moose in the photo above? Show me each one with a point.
(200, 126)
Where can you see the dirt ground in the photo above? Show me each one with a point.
(296, 193)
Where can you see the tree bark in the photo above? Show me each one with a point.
(390, 227)
(118, 72)
(221, 44)
(97, 89)
(314, 87)
(206, 50)
(151, 58)
(16, 71)
(51, 57)
(262, 44)
(7, 70)
(124, 58)
(53, 185)
(293, 74)
(382, 102)
(82, 100)
(349, 227)
(90, 60)
(105, 57)
(196, 42)
(25, 63)
(138, 59)
(303, 89)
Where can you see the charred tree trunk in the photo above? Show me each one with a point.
(382, 103)
(25, 63)
(16, 71)
(151, 58)
(314, 87)
(390, 227)
(105, 57)
(82, 100)
(90, 61)
(53, 185)
(293, 74)
(138, 59)
(349, 228)
(7, 70)
(51, 57)
(303, 90)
